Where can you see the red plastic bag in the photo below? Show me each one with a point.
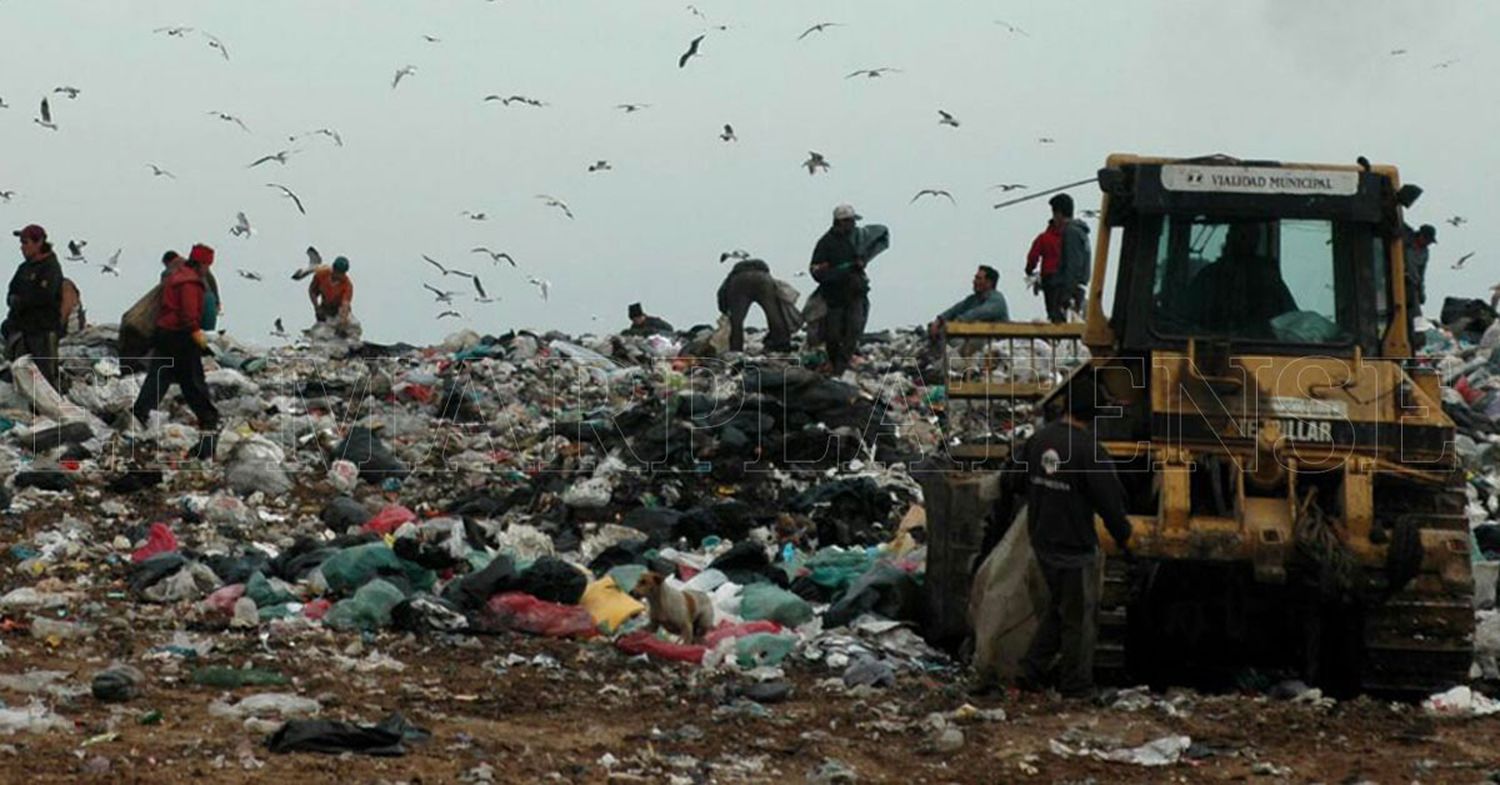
(726, 631)
(389, 519)
(645, 643)
(526, 613)
(223, 599)
(317, 609)
(159, 540)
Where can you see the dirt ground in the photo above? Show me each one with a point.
(591, 714)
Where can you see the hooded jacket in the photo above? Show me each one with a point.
(1046, 252)
(35, 296)
(1075, 263)
(182, 301)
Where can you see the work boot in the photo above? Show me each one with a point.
(208, 443)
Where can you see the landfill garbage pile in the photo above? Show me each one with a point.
(396, 548)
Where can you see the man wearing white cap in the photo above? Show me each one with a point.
(840, 272)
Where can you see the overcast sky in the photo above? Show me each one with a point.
(1254, 79)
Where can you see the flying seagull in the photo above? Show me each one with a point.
(75, 250)
(279, 158)
(431, 39)
(553, 201)
(1447, 63)
(45, 120)
(947, 119)
(314, 261)
(728, 134)
(1089, 213)
(454, 314)
(632, 108)
(818, 28)
(495, 256)
(70, 92)
(814, 162)
(175, 32)
(444, 270)
(278, 331)
(599, 166)
(3, 104)
(1397, 52)
(287, 192)
(442, 295)
(248, 275)
(112, 267)
(933, 192)
(401, 73)
(507, 100)
(1012, 28)
(736, 255)
(475, 216)
(1045, 140)
(543, 285)
(215, 43)
(692, 9)
(1457, 221)
(229, 118)
(1459, 265)
(338, 140)
(1008, 187)
(479, 287)
(157, 171)
(692, 51)
(874, 73)
(6, 196)
(241, 226)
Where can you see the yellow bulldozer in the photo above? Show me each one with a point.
(1291, 474)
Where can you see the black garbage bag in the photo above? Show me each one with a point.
(148, 573)
(238, 569)
(1487, 537)
(425, 613)
(433, 556)
(491, 504)
(135, 480)
(554, 580)
(850, 511)
(364, 449)
(1466, 317)
(470, 592)
(746, 563)
(886, 590)
(307, 554)
(627, 552)
(387, 739)
(659, 524)
(344, 513)
(45, 480)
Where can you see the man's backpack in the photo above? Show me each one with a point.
(73, 317)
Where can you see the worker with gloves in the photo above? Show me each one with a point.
(178, 347)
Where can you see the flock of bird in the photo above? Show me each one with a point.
(814, 164)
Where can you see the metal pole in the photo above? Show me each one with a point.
(1048, 192)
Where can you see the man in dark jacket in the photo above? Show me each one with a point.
(643, 324)
(1076, 262)
(751, 283)
(1069, 480)
(35, 298)
(843, 286)
(178, 346)
(1417, 247)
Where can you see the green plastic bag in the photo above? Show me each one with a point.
(260, 589)
(352, 568)
(836, 568)
(768, 601)
(763, 648)
(369, 608)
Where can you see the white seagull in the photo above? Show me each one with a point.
(45, 120)
(402, 73)
(229, 118)
(314, 261)
(495, 256)
(543, 285)
(157, 171)
(241, 226)
(287, 192)
(553, 201)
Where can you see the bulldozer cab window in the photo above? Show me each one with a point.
(1261, 281)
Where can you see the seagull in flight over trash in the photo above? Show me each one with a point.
(402, 73)
(1008, 187)
(1459, 265)
(1457, 221)
(818, 28)
(174, 31)
(442, 295)
(515, 99)
(287, 192)
(3, 104)
(947, 119)
(737, 255)
(277, 330)
(472, 216)
(1089, 213)
(692, 51)
(157, 171)
(1447, 64)
(241, 226)
(45, 120)
(543, 285)
(728, 134)
(112, 267)
(279, 157)
(600, 166)
(229, 118)
(446, 314)
(814, 162)
(933, 192)
(338, 141)
(444, 270)
(479, 287)
(215, 43)
(75, 250)
(70, 92)
(874, 73)
(632, 108)
(552, 201)
(495, 256)
(692, 9)
(6, 196)
(1397, 52)
(1012, 28)
(249, 275)
(314, 261)
(431, 39)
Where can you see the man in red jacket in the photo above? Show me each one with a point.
(1046, 257)
(177, 349)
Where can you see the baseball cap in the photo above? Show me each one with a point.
(1430, 232)
(636, 310)
(341, 265)
(33, 233)
(845, 211)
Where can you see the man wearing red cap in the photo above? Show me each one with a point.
(35, 299)
(177, 349)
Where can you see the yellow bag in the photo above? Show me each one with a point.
(609, 606)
